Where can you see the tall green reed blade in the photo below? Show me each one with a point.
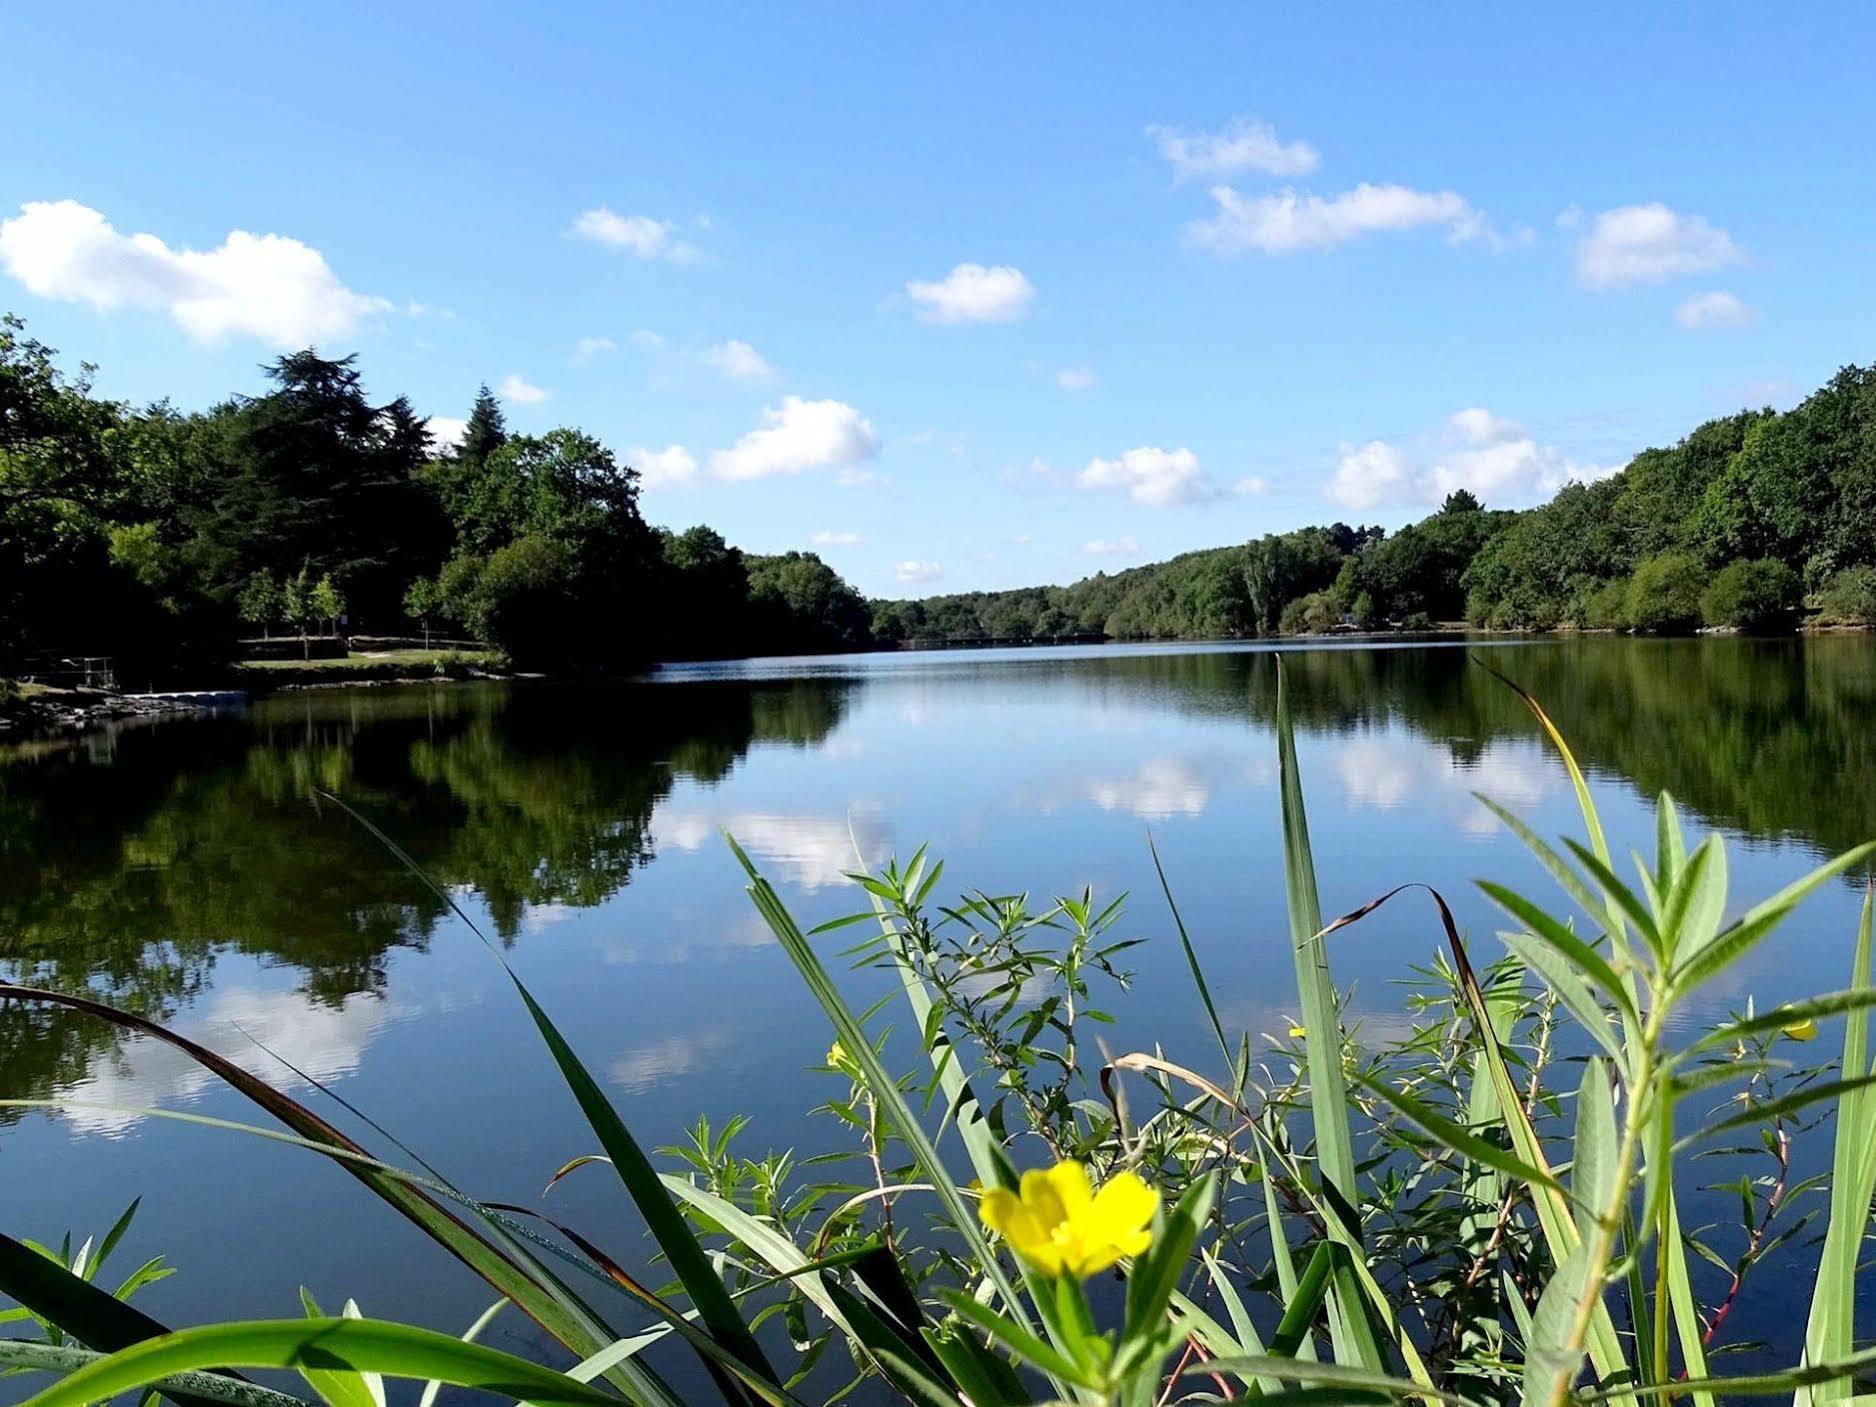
(1353, 1336)
(360, 1345)
(728, 1333)
(1830, 1329)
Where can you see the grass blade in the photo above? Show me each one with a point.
(322, 1345)
(1328, 1089)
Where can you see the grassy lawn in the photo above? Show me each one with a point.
(380, 661)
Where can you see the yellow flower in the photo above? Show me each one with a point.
(1061, 1226)
(837, 1057)
(1801, 1030)
(1297, 1032)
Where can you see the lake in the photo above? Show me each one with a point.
(191, 871)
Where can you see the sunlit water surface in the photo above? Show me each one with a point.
(191, 871)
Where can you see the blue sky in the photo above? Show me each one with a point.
(975, 295)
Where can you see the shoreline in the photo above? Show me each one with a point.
(37, 711)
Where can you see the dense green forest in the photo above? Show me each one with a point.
(1752, 521)
(163, 538)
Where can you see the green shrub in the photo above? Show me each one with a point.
(1664, 594)
(1419, 620)
(1754, 595)
(1310, 615)
(1848, 598)
(1604, 606)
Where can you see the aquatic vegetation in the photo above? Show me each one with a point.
(1486, 1208)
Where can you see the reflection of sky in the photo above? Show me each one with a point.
(680, 1002)
(246, 1026)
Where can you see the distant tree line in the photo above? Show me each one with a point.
(1753, 521)
(161, 537)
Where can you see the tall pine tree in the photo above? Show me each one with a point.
(486, 431)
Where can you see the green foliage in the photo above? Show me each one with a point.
(1664, 595)
(261, 601)
(800, 603)
(1752, 596)
(155, 536)
(1314, 614)
(485, 431)
(1848, 598)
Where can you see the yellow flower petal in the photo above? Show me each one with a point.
(1801, 1030)
(1060, 1225)
(1124, 1204)
(1069, 1180)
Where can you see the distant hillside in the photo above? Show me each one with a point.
(1749, 522)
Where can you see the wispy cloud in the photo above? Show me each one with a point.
(1240, 145)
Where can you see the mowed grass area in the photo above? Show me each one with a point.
(374, 667)
(407, 659)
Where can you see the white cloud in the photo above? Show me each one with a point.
(1477, 425)
(1251, 484)
(973, 293)
(647, 341)
(327, 1042)
(836, 539)
(268, 287)
(739, 361)
(1494, 458)
(809, 851)
(1286, 223)
(445, 431)
(646, 1067)
(1385, 773)
(589, 347)
(1112, 547)
(1366, 474)
(1715, 311)
(639, 235)
(1241, 145)
(796, 436)
(918, 571)
(661, 468)
(520, 390)
(1164, 787)
(1074, 378)
(1648, 244)
(1158, 478)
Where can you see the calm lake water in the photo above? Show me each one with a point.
(190, 871)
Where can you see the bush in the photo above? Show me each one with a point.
(1754, 595)
(1313, 614)
(1664, 595)
(1604, 606)
(520, 599)
(1848, 598)
(1419, 620)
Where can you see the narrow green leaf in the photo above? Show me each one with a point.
(357, 1345)
(1459, 1139)
(1328, 1087)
